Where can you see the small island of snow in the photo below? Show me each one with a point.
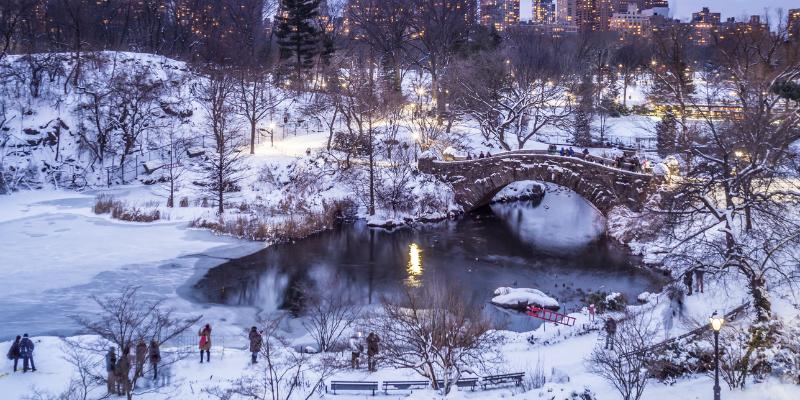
(522, 298)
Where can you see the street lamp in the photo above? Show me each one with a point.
(716, 324)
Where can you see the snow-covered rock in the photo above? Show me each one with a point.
(522, 298)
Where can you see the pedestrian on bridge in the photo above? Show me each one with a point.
(571, 152)
(481, 155)
(611, 331)
(562, 152)
(585, 152)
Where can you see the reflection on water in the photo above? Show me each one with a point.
(553, 246)
(414, 265)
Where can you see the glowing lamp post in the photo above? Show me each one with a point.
(716, 324)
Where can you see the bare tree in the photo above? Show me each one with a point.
(284, 374)
(177, 144)
(136, 109)
(438, 333)
(256, 98)
(11, 17)
(515, 93)
(125, 318)
(223, 165)
(329, 313)
(626, 365)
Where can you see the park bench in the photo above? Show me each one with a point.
(461, 383)
(371, 386)
(502, 378)
(403, 385)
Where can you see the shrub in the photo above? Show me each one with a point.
(104, 204)
(604, 302)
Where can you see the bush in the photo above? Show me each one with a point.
(120, 210)
(604, 302)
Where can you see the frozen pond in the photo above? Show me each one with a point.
(557, 246)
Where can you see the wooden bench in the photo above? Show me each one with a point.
(502, 378)
(461, 383)
(353, 385)
(404, 385)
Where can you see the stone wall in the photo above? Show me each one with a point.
(476, 181)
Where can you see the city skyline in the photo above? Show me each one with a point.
(683, 9)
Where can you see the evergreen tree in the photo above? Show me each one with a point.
(582, 134)
(666, 131)
(298, 33)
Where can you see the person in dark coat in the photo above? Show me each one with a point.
(571, 152)
(205, 342)
(687, 280)
(611, 330)
(372, 351)
(122, 371)
(255, 344)
(585, 152)
(26, 352)
(141, 356)
(154, 353)
(699, 275)
(111, 364)
(562, 152)
(481, 155)
(488, 154)
(14, 353)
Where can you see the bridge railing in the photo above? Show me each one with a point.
(588, 158)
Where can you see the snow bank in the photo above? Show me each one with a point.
(521, 298)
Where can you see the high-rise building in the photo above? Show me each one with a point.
(544, 11)
(705, 24)
(594, 15)
(648, 4)
(631, 22)
(565, 11)
(793, 23)
(499, 13)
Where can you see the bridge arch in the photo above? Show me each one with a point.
(477, 181)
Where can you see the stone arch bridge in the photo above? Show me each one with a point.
(477, 181)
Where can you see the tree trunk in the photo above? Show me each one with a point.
(252, 136)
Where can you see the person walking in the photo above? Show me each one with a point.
(141, 355)
(571, 152)
(687, 280)
(611, 330)
(562, 152)
(373, 348)
(26, 352)
(122, 372)
(111, 363)
(255, 344)
(205, 342)
(13, 352)
(355, 351)
(592, 312)
(585, 152)
(699, 274)
(481, 155)
(154, 353)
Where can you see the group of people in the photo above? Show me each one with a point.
(632, 164)
(22, 348)
(119, 368)
(373, 348)
(694, 279)
(479, 156)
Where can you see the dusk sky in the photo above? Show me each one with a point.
(683, 9)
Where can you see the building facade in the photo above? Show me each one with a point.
(499, 14)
